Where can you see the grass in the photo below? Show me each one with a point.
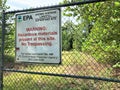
(73, 63)
(37, 82)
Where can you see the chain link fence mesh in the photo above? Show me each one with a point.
(75, 62)
(19, 81)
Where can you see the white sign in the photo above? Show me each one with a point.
(38, 36)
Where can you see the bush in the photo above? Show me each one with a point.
(9, 58)
(103, 43)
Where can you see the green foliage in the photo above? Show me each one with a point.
(9, 33)
(67, 36)
(73, 35)
(9, 58)
(104, 42)
(117, 65)
(3, 5)
(103, 22)
(80, 35)
(10, 39)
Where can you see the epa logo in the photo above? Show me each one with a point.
(19, 18)
(24, 18)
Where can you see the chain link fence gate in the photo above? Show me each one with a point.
(79, 70)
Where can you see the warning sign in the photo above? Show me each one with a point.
(38, 36)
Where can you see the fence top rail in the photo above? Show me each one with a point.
(56, 6)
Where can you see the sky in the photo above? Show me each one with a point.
(26, 4)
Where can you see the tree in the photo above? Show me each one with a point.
(9, 31)
(67, 35)
(73, 35)
(103, 23)
(3, 5)
(104, 42)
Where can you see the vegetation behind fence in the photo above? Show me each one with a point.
(90, 52)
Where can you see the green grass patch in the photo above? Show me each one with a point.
(17, 81)
(73, 63)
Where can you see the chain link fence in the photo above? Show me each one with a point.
(80, 68)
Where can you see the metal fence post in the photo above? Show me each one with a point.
(2, 50)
